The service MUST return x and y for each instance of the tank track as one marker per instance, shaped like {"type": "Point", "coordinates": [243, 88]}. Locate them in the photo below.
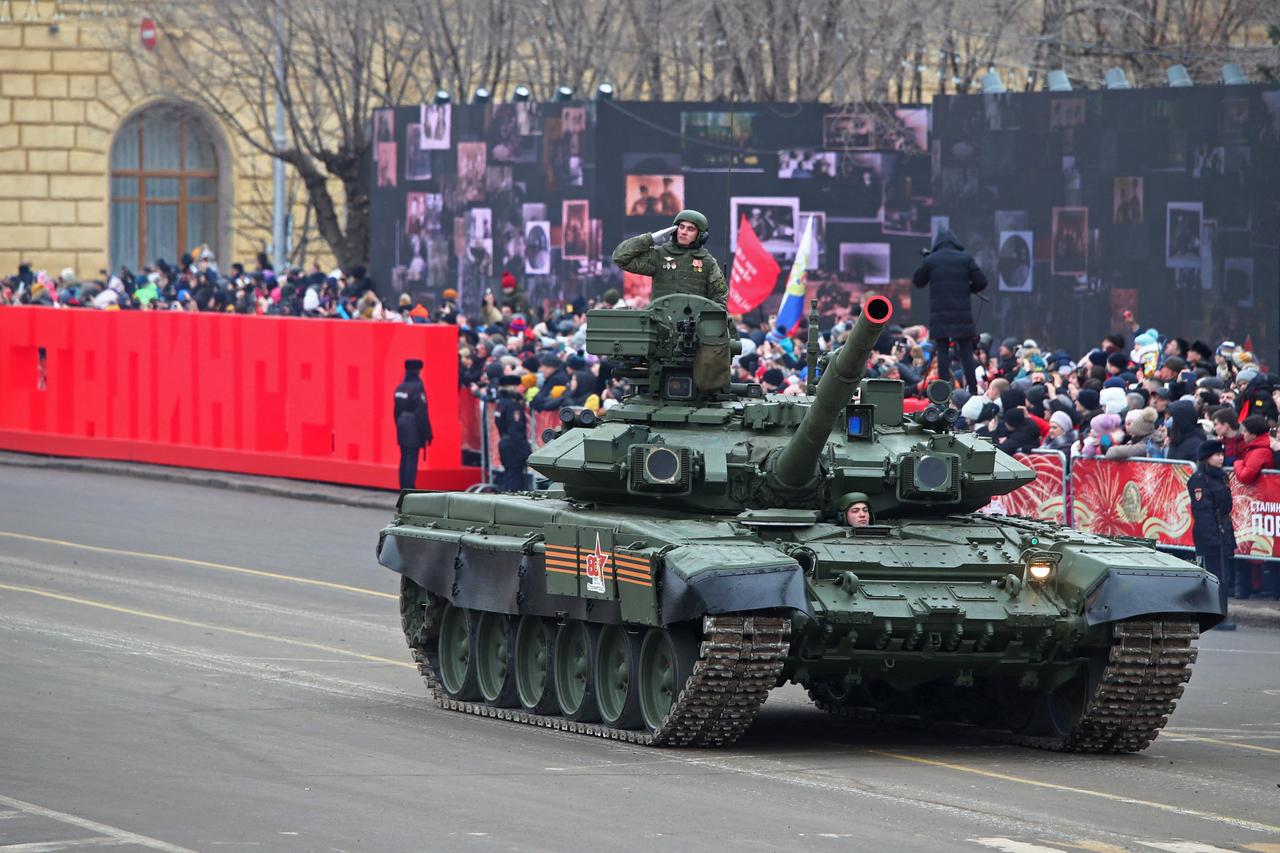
{"type": "Point", "coordinates": [1149, 662]}
{"type": "Point", "coordinates": [739, 661]}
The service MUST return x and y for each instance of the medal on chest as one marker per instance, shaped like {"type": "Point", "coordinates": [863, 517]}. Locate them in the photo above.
{"type": "Point", "coordinates": [669, 263]}
{"type": "Point", "coordinates": [697, 264]}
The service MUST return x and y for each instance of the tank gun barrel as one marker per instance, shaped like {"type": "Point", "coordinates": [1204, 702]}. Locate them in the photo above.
{"type": "Point", "coordinates": [795, 465]}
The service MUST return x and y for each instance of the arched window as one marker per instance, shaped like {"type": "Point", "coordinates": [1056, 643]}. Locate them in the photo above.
{"type": "Point", "coordinates": [164, 187]}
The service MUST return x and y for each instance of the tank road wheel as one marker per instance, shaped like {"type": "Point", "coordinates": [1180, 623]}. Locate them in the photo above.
{"type": "Point", "coordinates": [455, 661]}
{"type": "Point", "coordinates": [535, 644]}
{"type": "Point", "coordinates": [496, 676]}
{"type": "Point", "coordinates": [666, 662]}
{"type": "Point", "coordinates": [576, 643]}
{"type": "Point", "coordinates": [616, 675]}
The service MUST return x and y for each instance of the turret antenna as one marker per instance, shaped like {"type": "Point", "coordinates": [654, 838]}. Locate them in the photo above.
{"type": "Point", "coordinates": [811, 369]}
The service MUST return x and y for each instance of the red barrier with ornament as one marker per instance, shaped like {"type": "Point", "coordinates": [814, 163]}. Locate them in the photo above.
{"type": "Point", "coordinates": [283, 397]}
{"type": "Point", "coordinates": [1044, 498]}
{"type": "Point", "coordinates": [1255, 513]}
{"type": "Point", "coordinates": [1138, 497]}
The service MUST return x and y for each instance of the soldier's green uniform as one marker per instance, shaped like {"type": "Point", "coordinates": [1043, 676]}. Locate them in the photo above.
{"type": "Point", "coordinates": [675, 268]}
{"type": "Point", "coordinates": [684, 269]}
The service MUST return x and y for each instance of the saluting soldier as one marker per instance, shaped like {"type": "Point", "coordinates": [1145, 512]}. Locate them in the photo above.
{"type": "Point", "coordinates": [413, 424]}
{"type": "Point", "coordinates": [683, 266]}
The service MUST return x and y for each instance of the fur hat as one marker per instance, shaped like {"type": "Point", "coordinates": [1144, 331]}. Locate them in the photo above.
{"type": "Point", "coordinates": [1209, 448]}
{"type": "Point", "coordinates": [1140, 423]}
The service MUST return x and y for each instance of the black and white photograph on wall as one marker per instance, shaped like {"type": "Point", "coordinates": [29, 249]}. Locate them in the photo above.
{"type": "Point", "coordinates": [471, 169]}
{"type": "Point", "coordinates": [867, 263]}
{"type": "Point", "coordinates": [909, 131]}
{"type": "Point", "coordinates": [497, 182]}
{"type": "Point", "coordinates": [438, 256]}
{"type": "Point", "coordinates": [384, 127]}
{"type": "Point", "coordinates": [423, 213]}
{"type": "Point", "coordinates": [1208, 161]}
{"type": "Point", "coordinates": [848, 131]}
{"type": "Point", "coordinates": [1065, 113]}
{"type": "Point", "coordinates": [575, 220]}
{"type": "Point", "coordinates": [818, 248]}
{"type": "Point", "coordinates": [1126, 202]}
{"type": "Point", "coordinates": [937, 224]}
{"type": "Point", "coordinates": [533, 210]}
{"type": "Point", "coordinates": [773, 218]}
{"type": "Point", "coordinates": [510, 244]}
{"type": "Point", "coordinates": [1070, 174]}
{"type": "Point", "coordinates": [480, 238]}
{"type": "Point", "coordinates": [716, 141]}
{"type": "Point", "coordinates": [417, 160]}
{"type": "Point", "coordinates": [807, 163]}
{"type": "Point", "coordinates": [862, 189]}
{"type": "Point", "coordinates": [654, 195]}
{"type": "Point", "coordinates": [386, 168]}
{"type": "Point", "coordinates": [906, 209]}
{"type": "Point", "coordinates": [1182, 234]}
{"type": "Point", "coordinates": [537, 247]}
{"type": "Point", "coordinates": [1070, 241]}
{"type": "Point", "coordinates": [562, 150]}
{"type": "Point", "coordinates": [1235, 118]}
{"type": "Point", "coordinates": [508, 141]}
{"type": "Point", "coordinates": [1015, 261]}
{"type": "Point", "coordinates": [1237, 275]}
{"type": "Point", "coordinates": [1208, 253]}
{"type": "Point", "coordinates": [435, 120]}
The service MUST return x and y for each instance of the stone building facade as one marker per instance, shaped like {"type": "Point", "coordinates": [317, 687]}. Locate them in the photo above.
{"type": "Point", "coordinates": [94, 174]}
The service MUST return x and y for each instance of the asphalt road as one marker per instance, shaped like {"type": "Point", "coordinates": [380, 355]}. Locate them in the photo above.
{"type": "Point", "coordinates": [192, 668]}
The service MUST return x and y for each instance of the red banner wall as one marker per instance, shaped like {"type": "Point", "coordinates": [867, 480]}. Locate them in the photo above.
{"type": "Point", "coordinates": [283, 397]}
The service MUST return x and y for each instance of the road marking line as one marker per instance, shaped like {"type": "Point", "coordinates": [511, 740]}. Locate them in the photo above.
{"type": "Point", "coordinates": [52, 846]}
{"type": "Point", "coordinates": [1177, 736]}
{"type": "Point", "coordinates": [121, 835]}
{"type": "Point", "coordinates": [1254, 826]}
{"type": "Point", "coordinates": [1183, 847]}
{"type": "Point", "coordinates": [204, 564]}
{"type": "Point", "coordinates": [1094, 846]}
{"type": "Point", "coordinates": [1009, 845]}
{"type": "Point", "coordinates": [1263, 848]}
{"type": "Point", "coordinates": [191, 623]}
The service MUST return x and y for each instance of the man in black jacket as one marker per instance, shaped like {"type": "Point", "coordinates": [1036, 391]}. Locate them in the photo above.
{"type": "Point", "coordinates": [413, 424]}
{"type": "Point", "coordinates": [1022, 435]}
{"type": "Point", "coordinates": [1212, 531]}
{"type": "Point", "coordinates": [952, 274]}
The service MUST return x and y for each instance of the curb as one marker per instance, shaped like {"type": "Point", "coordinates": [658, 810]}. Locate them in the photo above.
{"type": "Point", "coordinates": [275, 487]}
{"type": "Point", "coordinates": [1254, 615]}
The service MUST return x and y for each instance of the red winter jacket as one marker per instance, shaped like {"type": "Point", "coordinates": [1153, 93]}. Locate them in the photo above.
{"type": "Point", "coordinates": [1041, 424]}
{"type": "Point", "coordinates": [1255, 456]}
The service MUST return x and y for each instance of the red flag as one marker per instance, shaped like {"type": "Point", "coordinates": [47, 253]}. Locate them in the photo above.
{"type": "Point", "coordinates": [754, 274]}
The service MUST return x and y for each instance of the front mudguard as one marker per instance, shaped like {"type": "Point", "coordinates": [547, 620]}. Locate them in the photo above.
{"type": "Point", "coordinates": [1125, 593]}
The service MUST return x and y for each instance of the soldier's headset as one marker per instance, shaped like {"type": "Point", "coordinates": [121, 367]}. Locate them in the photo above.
{"type": "Point", "coordinates": [703, 234]}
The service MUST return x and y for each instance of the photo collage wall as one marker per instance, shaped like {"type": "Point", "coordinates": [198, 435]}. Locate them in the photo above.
{"type": "Point", "coordinates": [1078, 205]}
{"type": "Point", "coordinates": [547, 191]}
{"type": "Point", "coordinates": [1085, 205]}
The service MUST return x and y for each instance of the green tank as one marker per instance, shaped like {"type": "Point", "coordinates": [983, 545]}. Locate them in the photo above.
{"type": "Point", "coordinates": [690, 557]}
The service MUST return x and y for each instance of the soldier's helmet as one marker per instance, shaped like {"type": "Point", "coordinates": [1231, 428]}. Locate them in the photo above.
{"type": "Point", "coordinates": [697, 219]}
{"type": "Point", "coordinates": [848, 499]}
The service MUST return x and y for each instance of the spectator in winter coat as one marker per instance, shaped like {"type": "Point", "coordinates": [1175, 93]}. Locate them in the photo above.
{"type": "Point", "coordinates": [549, 399]}
{"type": "Point", "coordinates": [1227, 430]}
{"type": "Point", "coordinates": [952, 275]}
{"type": "Point", "coordinates": [1185, 434]}
{"type": "Point", "coordinates": [1021, 435]}
{"type": "Point", "coordinates": [1104, 431]}
{"type": "Point", "coordinates": [1138, 427]}
{"type": "Point", "coordinates": [1256, 453]}
{"type": "Point", "coordinates": [1062, 433]}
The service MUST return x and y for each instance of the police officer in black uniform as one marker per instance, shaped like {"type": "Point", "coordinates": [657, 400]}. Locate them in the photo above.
{"type": "Point", "coordinates": [1212, 531]}
{"type": "Point", "coordinates": [512, 421]}
{"type": "Point", "coordinates": [413, 425]}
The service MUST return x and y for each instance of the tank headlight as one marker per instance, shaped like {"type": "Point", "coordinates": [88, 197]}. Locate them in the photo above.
{"type": "Point", "coordinates": [1039, 570]}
